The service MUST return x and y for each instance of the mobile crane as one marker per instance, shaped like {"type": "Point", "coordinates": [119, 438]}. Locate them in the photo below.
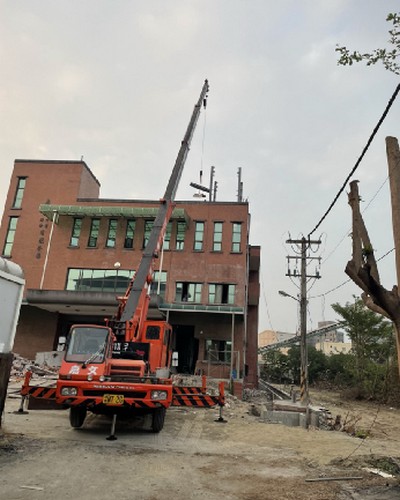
{"type": "Point", "coordinates": [123, 367]}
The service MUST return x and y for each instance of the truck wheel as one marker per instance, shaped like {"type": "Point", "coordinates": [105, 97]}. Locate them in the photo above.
{"type": "Point", "coordinates": [158, 419]}
{"type": "Point", "coordinates": [77, 416]}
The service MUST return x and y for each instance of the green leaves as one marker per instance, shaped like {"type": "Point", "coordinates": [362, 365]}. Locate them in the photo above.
{"type": "Point", "coordinates": [388, 58]}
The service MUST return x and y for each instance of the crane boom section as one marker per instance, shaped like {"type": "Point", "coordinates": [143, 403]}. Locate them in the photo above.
{"type": "Point", "coordinates": [133, 306]}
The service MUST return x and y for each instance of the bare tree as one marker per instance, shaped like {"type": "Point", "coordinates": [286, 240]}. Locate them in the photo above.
{"type": "Point", "coordinates": [362, 268]}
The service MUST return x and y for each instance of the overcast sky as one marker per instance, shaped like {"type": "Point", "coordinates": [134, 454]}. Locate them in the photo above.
{"type": "Point", "coordinates": [115, 81]}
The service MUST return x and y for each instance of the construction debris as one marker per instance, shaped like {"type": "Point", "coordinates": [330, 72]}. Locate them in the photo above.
{"type": "Point", "coordinates": [22, 365]}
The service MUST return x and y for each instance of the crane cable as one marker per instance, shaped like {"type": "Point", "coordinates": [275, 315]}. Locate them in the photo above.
{"type": "Point", "coordinates": [371, 138]}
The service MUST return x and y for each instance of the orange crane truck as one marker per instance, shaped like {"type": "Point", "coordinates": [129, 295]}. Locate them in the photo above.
{"type": "Point", "coordinates": [123, 366]}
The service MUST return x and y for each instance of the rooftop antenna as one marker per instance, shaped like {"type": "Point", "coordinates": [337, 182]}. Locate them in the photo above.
{"type": "Point", "coordinates": [240, 186]}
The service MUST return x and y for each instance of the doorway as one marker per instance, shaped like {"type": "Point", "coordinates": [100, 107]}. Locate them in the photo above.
{"type": "Point", "coordinates": [187, 347]}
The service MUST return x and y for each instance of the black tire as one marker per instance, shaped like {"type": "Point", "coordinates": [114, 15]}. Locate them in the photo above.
{"type": "Point", "coordinates": [77, 416]}
{"type": "Point", "coordinates": [158, 419]}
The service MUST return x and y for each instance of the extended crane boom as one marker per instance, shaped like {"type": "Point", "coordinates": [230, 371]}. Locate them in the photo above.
{"type": "Point", "coordinates": [133, 307]}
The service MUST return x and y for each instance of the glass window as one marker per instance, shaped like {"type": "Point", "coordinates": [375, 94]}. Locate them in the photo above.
{"type": "Point", "coordinates": [221, 293]}
{"type": "Point", "coordinates": [188, 292]}
{"type": "Point", "coordinates": [19, 193]}
{"type": "Point", "coordinates": [198, 236]}
{"type": "Point", "coordinates": [152, 332]}
{"type": "Point", "coordinates": [217, 239]}
{"type": "Point", "coordinates": [167, 237]}
{"type": "Point", "coordinates": [94, 233]}
{"type": "Point", "coordinates": [99, 280]}
{"type": "Point", "coordinates": [236, 237]}
{"type": "Point", "coordinates": [112, 233]}
{"type": "Point", "coordinates": [76, 232]}
{"type": "Point", "coordinates": [86, 344]}
{"type": "Point", "coordinates": [8, 244]}
{"type": "Point", "coordinates": [148, 226]}
{"type": "Point", "coordinates": [180, 235]}
{"type": "Point", "coordinates": [159, 284]}
{"type": "Point", "coordinates": [218, 351]}
{"type": "Point", "coordinates": [130, 233]}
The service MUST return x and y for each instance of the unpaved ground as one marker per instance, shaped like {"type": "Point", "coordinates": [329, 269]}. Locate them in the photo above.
{"type": "Point", "coordinates": [195, 457]}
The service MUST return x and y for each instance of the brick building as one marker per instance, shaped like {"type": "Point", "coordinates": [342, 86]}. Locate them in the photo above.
{"type": "Point", "coordinates": [79, 251]}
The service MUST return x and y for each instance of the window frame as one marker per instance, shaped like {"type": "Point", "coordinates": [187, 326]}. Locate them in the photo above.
{"type": "Point", "coordinates": [93, 233]}
{"type": "Point", "coordinates": [146, 231]}
{"type": "Point", "coordinates": [198, 240]}
{"type": "Point", "coordinates": [217, 236]}
{"type": "Point", "coordinates": [236, 244]}
{"type": "Point", "coordinates": [10, 236]}
{"type": "Point", "coordinates": [19, 192]}
{"type": "Point", "coordinates": [111, 240]}
{"type": "Point", "coordinates": [222, 348]}
{"type": "Point", "coordinates": [76, 232]}
{"type": "Point", "coordinates": [226, 291]}
{"type": "Point", "coordinates": [130, 233]}
{"type": "Point", "coordinates": [189, 292]}
{"type": "Point", "coordinates": [180, 231]}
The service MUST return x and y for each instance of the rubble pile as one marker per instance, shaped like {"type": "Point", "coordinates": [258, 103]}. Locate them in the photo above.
{"type": "Point", "coordinates": [22, 365]}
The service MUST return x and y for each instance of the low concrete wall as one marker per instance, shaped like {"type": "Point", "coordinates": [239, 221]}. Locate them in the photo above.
{"type": "Point", "coordinates": [291, 418]}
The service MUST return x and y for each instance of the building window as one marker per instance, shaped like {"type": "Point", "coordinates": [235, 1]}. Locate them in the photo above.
{"type": "Point", "coordinates": [112, 233]}
{"type": "Point", "coordinates": [8, 244]}
{"type": "Point", "coordinates": [217, 238]}
{"type": "Point", "coordinates": [218, 351]}
{"type": "Point", "coordinates": [188, 292]}
{"type": "Point", "coordinates": [221, 293]}
{"type": "Point", "coordinates": [198, 236]}
{"type": "Point", "coordinates": [159, 283]}
{"type": "Point", "coordinates": [180, 235]}
{"type": "Point", "coordinates": [94, 233]}
{"type": "Point", "coordinates": [76, 232]}
{"type": "Point", "coordinates": [167, 237]}
{"type": "Point", "coordinates": [148, 226]}
{"type": "Point", "coordinates": [236, 237]}
{"type": "Point", "coordinates": [130, 233]}
{"type": "Point", "coordinates": [19, 193]}
{"type": "Point", "coordinates": [98, 280]}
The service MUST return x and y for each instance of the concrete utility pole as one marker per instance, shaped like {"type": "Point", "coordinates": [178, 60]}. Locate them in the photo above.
{"type": "Point", "coordinates": [304, 246]}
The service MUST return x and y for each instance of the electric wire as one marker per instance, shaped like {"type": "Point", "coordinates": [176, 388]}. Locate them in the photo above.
{"type": "Point", "coordinates": [366, 147]}
{"type": "Point", "coordinates": [349, 230]}
{"type": "Point", "coordinates": [266, 302]}
{"type": "Point", "coordinates": [344, 282]}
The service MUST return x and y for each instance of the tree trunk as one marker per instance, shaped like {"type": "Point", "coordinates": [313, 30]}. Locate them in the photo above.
{"type": "Point", "coordinates": [363, 270]}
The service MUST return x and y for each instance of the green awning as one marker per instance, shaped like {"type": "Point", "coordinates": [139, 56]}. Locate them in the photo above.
{"type": "Point", "coordinates": [54, 211]}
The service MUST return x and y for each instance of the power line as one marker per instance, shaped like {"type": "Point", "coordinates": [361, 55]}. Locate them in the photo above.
{"type": "Point", "coordinates": [349, 230]}
{"type": "Point", "coordinates": [371, 138]}
{"type": "Point", "coordinates": [344, 282]}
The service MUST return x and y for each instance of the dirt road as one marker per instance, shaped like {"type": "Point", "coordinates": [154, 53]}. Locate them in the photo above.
{"type": "Point", "coordinates": [194, 457]}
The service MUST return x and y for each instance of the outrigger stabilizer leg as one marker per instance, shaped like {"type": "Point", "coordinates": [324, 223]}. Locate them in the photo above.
{"type": "Point", "coordinates": [21, 410]}
{"type": "Point", "coordinates": [112, 436]}
{"type": "Point", "coordinates": [221, 419]}
{"type": "Point", "coordinates": [221, 403]}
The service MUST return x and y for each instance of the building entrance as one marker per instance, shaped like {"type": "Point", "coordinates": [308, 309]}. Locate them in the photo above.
{"type": "Point", "coordinates": [187, 347]}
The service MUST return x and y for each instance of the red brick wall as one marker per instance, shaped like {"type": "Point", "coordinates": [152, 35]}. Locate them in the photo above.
{"type": "Point", "coordinates": [35, 333]}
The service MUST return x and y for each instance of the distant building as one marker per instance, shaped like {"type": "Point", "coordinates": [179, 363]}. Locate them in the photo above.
{"type": "Point", "coordinates": [271, 337]}
{"type": "Point", "coordinates": [333, 335]}
{"type": "Point", "coordinates": [330, 348]}
{"type": "Point", "coordinates": [79, 252]}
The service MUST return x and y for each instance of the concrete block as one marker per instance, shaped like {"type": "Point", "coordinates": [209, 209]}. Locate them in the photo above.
{"type": "Point", "coordinates": [291, 419]}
